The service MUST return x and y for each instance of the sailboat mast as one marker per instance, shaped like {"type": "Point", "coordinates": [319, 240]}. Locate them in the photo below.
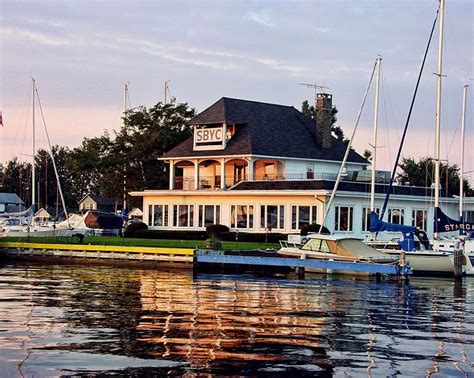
{"type": "Point", "coordinates": [33, 170]}
{"type": "Point", "coordinates": [438, 102]}
{"type": "Point", "coordinates": [374, 140]}
{"type": "Point", "coordinates": [125, 106]}
{"type": "Point", "coordinates": [461, 177]}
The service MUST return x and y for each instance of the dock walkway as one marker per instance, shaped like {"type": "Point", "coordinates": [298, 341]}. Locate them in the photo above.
{"type": "Point", "coordinates": [189, 258]}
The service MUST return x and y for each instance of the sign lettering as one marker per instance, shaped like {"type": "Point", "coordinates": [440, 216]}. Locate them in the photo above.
{"type": "Point", "coordinates": [208, 135]}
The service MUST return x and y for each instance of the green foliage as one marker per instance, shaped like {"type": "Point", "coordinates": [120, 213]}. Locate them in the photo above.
{"type": "Point", "coordinates": [16, 178]}
{"type": "Point", "coordinates": [310, 112]}
{"type": "Point", "coordinates": [132, 228]}
{"type": "Point", "coordinates": [314, 227]}
{"type": "Point", "coordinates": [421, 173]}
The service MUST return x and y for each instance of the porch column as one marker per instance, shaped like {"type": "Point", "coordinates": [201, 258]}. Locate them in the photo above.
{"type": "Point", "coordinates": [171, 174]}
{"type": "Point", "coordinates": [250, 176]}
{"type": "Point", "coordinates": [222, 173]}
{"type": "Point", "coordinates": [196, 175]}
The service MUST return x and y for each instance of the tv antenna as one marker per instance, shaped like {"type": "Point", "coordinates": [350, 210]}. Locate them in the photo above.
{"type": "Point", "coordinates": [316, 87]}
{"type": "Point", "coordinates": [166, 90]}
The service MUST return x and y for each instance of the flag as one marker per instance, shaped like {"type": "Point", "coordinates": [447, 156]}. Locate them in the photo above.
{"type": "Point", "coordinates": [1, 118]}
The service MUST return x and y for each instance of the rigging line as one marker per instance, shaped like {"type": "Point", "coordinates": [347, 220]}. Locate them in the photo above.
{"type": "Point", "coordinates": [54, 162]}
{"type": "Point", "coordinates": [348, 149]}
{"type": "Point", "coordinates": [385, 96]}
{"type": "Point", "coordinates": [390, 188]}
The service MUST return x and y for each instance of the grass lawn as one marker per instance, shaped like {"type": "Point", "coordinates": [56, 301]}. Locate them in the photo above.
{"type": "Point", "coordinates": [113, 240]}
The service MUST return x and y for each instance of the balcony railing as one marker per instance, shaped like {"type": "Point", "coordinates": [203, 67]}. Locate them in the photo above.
{"type": "Point", "coordinates": [214, 182]}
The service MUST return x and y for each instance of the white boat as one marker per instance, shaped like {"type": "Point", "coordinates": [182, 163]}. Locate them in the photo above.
{"type": "Point", "coordinates": [335, 248]}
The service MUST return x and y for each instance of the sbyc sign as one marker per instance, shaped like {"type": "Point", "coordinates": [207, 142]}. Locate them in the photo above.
{"type": "Point", "coordinates": [208, 135]}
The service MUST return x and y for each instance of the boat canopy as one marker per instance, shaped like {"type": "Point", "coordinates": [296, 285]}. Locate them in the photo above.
{"type": "Point", "coordinates": [356, 248]}
{"type": "Point", "coordinates": [103, 220]}
{"type": "Point", "coordinates": [377, 225]}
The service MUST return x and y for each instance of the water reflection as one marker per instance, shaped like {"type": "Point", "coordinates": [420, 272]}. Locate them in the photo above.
{"type": "Point", "coordinates": [84, 320]}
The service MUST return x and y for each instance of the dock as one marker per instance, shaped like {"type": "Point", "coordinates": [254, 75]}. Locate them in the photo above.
{"type": "Point", "coordinates": [194, 259]}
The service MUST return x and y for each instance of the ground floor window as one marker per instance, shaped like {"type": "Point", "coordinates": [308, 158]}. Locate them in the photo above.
{"type": "Point", "coordinates": [241, 216]}
{"type": "Point", "coordinates": [302, 216]}
{"type": "Point", "coordinates": [419, 219]}
{"type": "Point", "coordinates": [183, 215]}
{"type": "Point", "coordinates": [158, 215]}
{"type": "Point", "coordinates": [344, 218]}
{"type": "Point", "coordinates": [366, 217]}
{"type": "Point", "coordinates": [272, 217]}
{"type": "Point", "coordinates": [396, 216]}
{"type": "Point", "coordinates": [209, 214]}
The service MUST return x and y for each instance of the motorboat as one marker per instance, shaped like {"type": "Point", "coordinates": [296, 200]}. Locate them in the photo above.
{"type": "Point", "coordinates": [335, 248]}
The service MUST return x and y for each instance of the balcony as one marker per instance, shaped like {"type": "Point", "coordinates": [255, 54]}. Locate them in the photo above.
{"type": "Point", "coordinates": [214, 182]}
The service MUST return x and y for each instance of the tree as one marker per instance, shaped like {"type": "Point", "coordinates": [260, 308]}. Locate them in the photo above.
{"type": "Point", "coordinates": [146, 135]}
{"type": "Point", "coordinates": [16, 178]}
{"type": "Point", "coordinates": [310, 112]}
{"type": "Point", "coordinates": [421, 173]}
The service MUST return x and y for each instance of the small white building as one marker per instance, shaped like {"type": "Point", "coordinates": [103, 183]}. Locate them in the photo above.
{"type": "Point", "coordinates": [256, 167]}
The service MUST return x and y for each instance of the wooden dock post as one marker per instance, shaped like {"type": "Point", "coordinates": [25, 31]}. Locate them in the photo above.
{"type": "Point", "coordinates": [458, 258]}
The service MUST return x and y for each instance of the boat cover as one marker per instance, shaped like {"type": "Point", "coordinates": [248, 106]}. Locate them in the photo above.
{"type": "Point", "coordinates": [443, 223]}
{"type": "Point", "coordinates": [377, 225]}
{"type": "Point", "coordinates": [103, 220]}
{"type": "Point", "coordinates": [355, 248]}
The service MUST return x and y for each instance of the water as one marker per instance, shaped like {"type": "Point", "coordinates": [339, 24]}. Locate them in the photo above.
{"type": "Point", "coordinates": [60, 320]}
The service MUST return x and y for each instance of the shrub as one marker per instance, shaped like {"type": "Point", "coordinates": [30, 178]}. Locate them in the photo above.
{"type": "Point", "coordinates": [132, 229]}
{"type": "Point", "coordinates": [271, 237]}
{"type": "Point", "coordinates": [215, 230]}
{"type": "Point", "coordinates": [314, 227]}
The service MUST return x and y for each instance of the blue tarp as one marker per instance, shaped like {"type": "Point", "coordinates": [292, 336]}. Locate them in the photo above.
{"type": "Point", "coordinates": [377, 225]}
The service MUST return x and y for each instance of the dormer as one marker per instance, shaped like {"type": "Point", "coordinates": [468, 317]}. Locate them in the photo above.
{"type": "Point", "coordinates": [211, 136]}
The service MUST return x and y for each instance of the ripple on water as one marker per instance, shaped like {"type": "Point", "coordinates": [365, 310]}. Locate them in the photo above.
{"type": "Point", "coordinates": [89, 320]}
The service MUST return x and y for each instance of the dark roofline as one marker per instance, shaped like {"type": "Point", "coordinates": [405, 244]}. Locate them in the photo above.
{"type": "Point", "coordinates": [344, 186]}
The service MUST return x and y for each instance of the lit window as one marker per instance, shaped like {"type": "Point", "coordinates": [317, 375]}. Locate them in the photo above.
{"type": "Point", "coordinates": [241, 216]}
{"type": "Point", "coordinates": [209, 214]}
{"type": "Point", "coordinates": [272, 217]}
{"type": "Point", "coordinates": [183, 215]}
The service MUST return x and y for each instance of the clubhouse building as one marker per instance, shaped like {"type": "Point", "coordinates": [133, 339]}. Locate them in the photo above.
{"type": "Point", "coordinates": [259, 167]}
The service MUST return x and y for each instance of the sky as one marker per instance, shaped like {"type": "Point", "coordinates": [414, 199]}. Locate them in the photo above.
{"type": "Point", "coordinates": [81, 53]}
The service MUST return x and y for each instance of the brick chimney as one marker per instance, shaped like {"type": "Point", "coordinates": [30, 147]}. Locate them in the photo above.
{"type": "Point", "coordinates": [323, 120]}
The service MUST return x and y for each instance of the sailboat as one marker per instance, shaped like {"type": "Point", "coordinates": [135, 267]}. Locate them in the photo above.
{"type": "Point", "coordinates": [422, 260]}
{"type": "Point", "coordinates": [23, 224]}
{"type": "Point", "coordinates": [443, 223]}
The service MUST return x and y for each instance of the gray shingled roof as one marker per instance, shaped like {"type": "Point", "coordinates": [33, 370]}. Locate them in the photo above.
{"type": "Point", "coordinates": [10, 198]}
{"type": "Point", "coordinates": [264, 129]}
{"type": "Point", "coordinates": [344, 186]}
